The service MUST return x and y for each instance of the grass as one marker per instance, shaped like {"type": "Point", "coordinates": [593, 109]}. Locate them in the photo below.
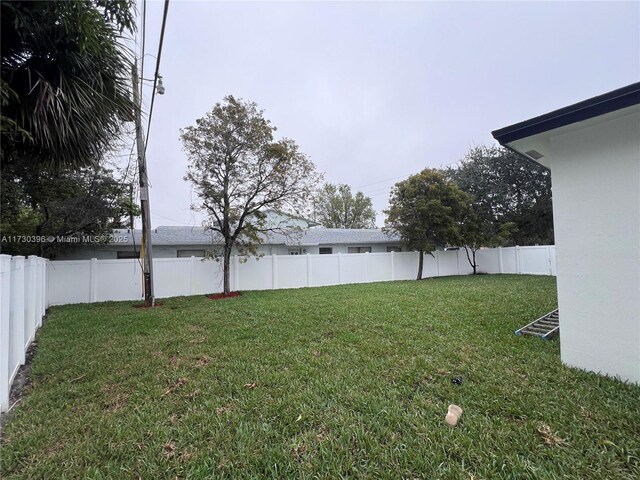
{"type": "Point", "coordinates": [337, 382]}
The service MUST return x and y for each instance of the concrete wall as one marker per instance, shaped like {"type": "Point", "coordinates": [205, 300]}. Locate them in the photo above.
{"type": "Point", "coordinates": [596, 206]}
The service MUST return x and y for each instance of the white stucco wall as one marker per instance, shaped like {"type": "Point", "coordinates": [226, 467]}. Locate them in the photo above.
{"type": "Point", "coordinates": [596, 206]}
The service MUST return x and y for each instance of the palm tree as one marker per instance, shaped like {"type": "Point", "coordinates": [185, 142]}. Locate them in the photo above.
{"type": "Point", "coordinates": [65, 79]}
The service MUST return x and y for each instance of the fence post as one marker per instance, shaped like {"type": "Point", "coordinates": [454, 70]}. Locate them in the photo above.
{"type": "Point", "coordinates": [339, 268]}
{"type": "Point", "coordinates": [192, 272]}
{"type": "Point", "coordinates": [500, 261]}
{"type": "Point", "coordinates": [518, 266]}
{"type": "Point", "coordinates": [17, 308]}
{"type": "Point", "coordinates": [458, 260]}
{"type": "Point", "coordinates": [308, 269]}
{"type": "Point", "coordinates": [393, 265]}
{"type": "Point", "coordinates": [46, 285]}
{"type": "Point", "coordinates": [437, 264]}
{"type": "Point", "coordinates": [236, 277]}
{"type": "Point", "coordinates": [5, 312]}
{"type": "Point", "coordinates": [39, 278]}
{"type": "Point", "coordinates": [549, 260]}
{"type": "Point", "coordinates": [30, 300]}
{"type": "Point", "coordinates": [274, 271]}
{"type": "Point", "coordinates": [43, 280]}
{"type": "Point", "coordinates": [93, 280]}
{"type": "Point", "coordinates": [366, 267]}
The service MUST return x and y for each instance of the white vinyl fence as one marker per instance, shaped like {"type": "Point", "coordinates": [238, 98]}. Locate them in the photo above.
{"type": "Point", "coordinates": [83, 281]}
{"type": "Point", "coordinates": [23, 302]}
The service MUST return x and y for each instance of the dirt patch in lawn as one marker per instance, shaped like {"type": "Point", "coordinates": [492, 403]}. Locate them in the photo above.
{"type": "Point", "coordinates": [144, 307]}
{"type": "Point", "coordinates": [222, 296]}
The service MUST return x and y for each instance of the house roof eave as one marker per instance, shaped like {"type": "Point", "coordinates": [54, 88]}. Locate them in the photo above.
{"type": "Point", "coordinates": [593, 107]}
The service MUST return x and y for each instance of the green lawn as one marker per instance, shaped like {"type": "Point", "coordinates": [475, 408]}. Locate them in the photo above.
{"type": "Point", "coordinates": [337, 382]}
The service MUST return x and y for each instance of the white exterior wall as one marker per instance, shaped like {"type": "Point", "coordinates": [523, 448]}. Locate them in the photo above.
{"type": "Point", "coordinates": [596, 208]}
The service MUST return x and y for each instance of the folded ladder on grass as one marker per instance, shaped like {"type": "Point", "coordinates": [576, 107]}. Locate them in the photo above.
{"type": "Point", "coordinates": [545, 327]}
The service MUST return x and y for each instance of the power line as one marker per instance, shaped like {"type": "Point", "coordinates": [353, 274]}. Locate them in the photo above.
{"type": "Point", "coordinates": [155, 77]}
{"type": "Point", "coordinates": [179, 222]}
{"type": "Point", "coordinates": [385, 180]}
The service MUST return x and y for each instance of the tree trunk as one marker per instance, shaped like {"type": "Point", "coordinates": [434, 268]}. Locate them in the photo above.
{"type": "Point", "coordinates": [420, 263]}
{"type": "Point", "coordinates": [471, 261]}
{"type": "Point", "coordinates": [475, 265]}
{"type": "Point", "coordinates": [226, 270]}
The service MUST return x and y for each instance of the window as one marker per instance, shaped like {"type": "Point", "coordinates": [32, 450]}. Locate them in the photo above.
{"type": "Point", "coordinates": [128, 254]}
{"type": "Point", "coordinates": [326, 250]}
{"type": "Point", "coordinates": [394, 249]}
{"type": "Point", "coordinates": [190, 253]}
{"type": "Point", "coordinates": [294, 251]}
{"type": "Point", "coordinates": [359, 250]}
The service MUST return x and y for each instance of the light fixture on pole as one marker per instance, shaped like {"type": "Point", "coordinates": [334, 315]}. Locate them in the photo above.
{"type": "Point", "coordinates": [160, 86]}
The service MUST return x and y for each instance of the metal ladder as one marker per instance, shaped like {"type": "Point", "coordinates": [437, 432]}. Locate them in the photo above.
{"type": "Point", "coordinates": [545, 327]}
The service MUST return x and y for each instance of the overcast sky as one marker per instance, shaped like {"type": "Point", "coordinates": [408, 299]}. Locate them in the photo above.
{"type": "Point", "coordinates": [375, 91]}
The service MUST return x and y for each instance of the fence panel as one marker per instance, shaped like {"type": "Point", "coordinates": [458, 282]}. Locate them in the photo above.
{"type": "Point", "coordinates": [405, 265]}
{"type": "Point", "coordinates": [16, 317]}
{"type": "Point", "coordinates": [325, 270]}
{"type": "Point", "coordinates": [292, 271]}
{"type": "Point", "coordinates": [354, 268]}
{"type": "Point", "coordinates": [487, 259]}
{"type": "Point", "coordinates": [509, 263]}
{"type": "Point", "coordinates": [119, 280]}
{"type": "Point", "coordinates": [23, 303]}
{"type": "Point", "coordinates": [5, 309]}
{"type": "Point", "coordinates": [70, 282]}
{"type": "Point", "coordinates": [552, 260]}
{"type": "Point", "coordinates": [378, 267]}
{"type": "Point", "coordinates": [31, 319]}
{"type": "Point", "coordinates": [172, 277]}
{"type": "Point", "coordinates": [447, 262]}
{"type": "Point", "coordinates": [207, 276]}
{"type": "Point", "coordinates": [256, 274]}
{"type": "Point", "coordinates": [535, 260]}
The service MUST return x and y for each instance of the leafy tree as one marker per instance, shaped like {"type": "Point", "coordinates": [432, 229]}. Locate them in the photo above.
{"type": "Point", "coordinates": [44, 204]}
{"type": "Point", "coordinates": [238, 171]}
{"type": "Point", "coordinates": [65, 79]}
{"type": "Point", "coordinates": [512, 194]}
{"type": "Point", "coordinates": [427, 211]}
{"type": "Point", "coordinates": [336, 207]}
{"type": "Point", "coordinates": [475, 234]}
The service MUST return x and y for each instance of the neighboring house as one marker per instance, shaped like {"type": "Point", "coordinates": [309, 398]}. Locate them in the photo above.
{"type": "Point", "coordinates": [593, 151]}
{"type": "Point", "coordinates": [172, 242]}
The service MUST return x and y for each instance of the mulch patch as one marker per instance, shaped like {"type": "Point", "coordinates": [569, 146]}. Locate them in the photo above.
{"type": "Point", "coordinates": [222, 296]}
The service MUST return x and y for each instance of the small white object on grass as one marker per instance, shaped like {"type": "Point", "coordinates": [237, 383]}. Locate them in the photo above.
{"type": "Point", "coordinates": [453, 415]}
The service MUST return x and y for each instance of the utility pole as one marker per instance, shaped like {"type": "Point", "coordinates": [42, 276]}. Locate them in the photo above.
{"type": "Point", "coordinates": [147, 265]}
